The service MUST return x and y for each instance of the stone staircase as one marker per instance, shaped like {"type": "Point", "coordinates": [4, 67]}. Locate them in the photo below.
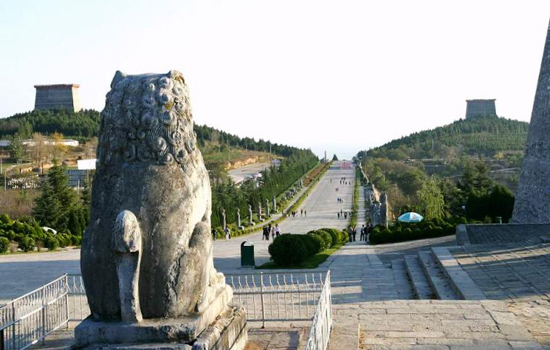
{"type": "Point", "coordinates": [429, 277]}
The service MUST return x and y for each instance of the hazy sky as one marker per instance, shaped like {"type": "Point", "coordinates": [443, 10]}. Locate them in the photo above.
{"type": "Point", "coordinates": [334, 75]}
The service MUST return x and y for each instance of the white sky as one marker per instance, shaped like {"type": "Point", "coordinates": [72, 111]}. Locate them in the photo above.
{"type": "Point", "coordinates": [334, 75]}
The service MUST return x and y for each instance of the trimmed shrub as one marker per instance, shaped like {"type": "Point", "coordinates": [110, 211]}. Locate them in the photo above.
{"type": "Point", "coordinates": [26, 244]}
{"type": "Point", "coordinates": [334, 235]}
{"type": "Point", "coordinates": [309, 243]}
{"type": "Point", "coordinates": [327, 239]}
{"type": "Point", "coordinates": [51, 243]}
{"type": "Point", "coordinates": [401, 232]}
{"type": "Point", "coordinates": [76, 240]}
{"type": "Point", "coordinates": [317, 241]}
{"type": "Point", "coordinates": [4, 245]}
{"type": "Point", "coordinates": [288, 250]}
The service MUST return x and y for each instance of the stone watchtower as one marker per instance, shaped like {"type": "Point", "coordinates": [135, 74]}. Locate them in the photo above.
{"type": "Point", "coordinates": [57, 96]}
{"type": "Point", "coordinates": [480, 108]}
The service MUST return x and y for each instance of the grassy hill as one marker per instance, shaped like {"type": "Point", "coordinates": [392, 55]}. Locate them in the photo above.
{"type": "Point", "coordinates": [485, 136]}
{"type": "Point", "coordinates": [403, 165]}
{"type": "Point", "coordinates": [220, 149]}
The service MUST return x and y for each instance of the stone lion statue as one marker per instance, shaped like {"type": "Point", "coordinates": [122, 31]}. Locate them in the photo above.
{"type": "Point", "coordinates": [148, 250]}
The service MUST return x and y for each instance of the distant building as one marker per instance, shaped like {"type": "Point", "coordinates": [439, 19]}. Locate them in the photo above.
{"type": "Point", "coordinates": [57, 96]}
{"type": "Point", "coordinates": [480, 108]}
{"type": "Point", "coordinates": [30, 143]}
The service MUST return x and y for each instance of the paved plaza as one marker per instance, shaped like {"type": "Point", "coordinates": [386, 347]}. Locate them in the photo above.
{"type": "Point", "coordinates": [22, 273]}
{"type": "Point", "coordinates": [375, 302]}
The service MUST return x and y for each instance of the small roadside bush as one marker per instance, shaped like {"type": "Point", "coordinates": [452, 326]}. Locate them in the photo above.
{"type": "Point", "coordinates": [325, 236]}
{"type": "Point", "coordinates": [26, 244]}
{"type": "Point", "coordinates": [334, 235]}
{"type": "Point", "coordinates": [4, 245]}
{"type": "Point", "coordinates": [291, 250]}
{"type": "Point", "coordinates": [51, 243]}
{"type": "Point", "coordinates": [317, 241]}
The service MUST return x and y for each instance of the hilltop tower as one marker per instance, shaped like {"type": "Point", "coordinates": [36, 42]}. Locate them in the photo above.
{"type": "Point", "coordinates": [480, 108]}
{"type": "Point", "coordinates": [57, 96]}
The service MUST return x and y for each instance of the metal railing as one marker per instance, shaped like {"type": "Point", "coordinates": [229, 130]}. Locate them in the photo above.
{"type": "Point", "coordinates": [266, 297]}
{"type": "Point", "coordinates": [277, 297]}
{"type": "Point", "coordinates": [319, 333]}
{"type": "Point", "coordinates": [28, 319]}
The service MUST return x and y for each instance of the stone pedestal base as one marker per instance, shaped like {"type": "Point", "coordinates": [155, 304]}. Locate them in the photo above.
{"type": "Point", "coordinates": [227, 332]}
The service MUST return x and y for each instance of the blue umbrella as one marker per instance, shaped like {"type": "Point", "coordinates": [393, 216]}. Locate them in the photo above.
{"type": "Point", "coordinates": [410, 217]}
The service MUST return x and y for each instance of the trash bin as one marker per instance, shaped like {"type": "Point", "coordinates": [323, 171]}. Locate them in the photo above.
{"type": "Point", "coordinates": [247, 254]}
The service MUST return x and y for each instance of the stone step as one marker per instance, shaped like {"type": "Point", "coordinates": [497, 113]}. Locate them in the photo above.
{"type": "Point", "coordinates": [403, 284]}
{"type": "Point", "coordinates": [419, 281]}
{"type": "Point", "coordinates": [462, 283]}
{"type": "Point", "coordinates": [344, 336]}
{"type": "Point", "coordinates": [437, 279]}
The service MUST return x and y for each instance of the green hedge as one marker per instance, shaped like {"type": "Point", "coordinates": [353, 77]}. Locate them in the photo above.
{"type": "Point", "coordinates": [4, 245]}
{"type": "Point", "coordinates": [401, 232]}
{"type": "Point", "coordinates": [331, 237]}
{"type": "Point", "coordinates": [290, 250]}
{"type": "Point", "coordinates": [325, 236]}
{"type": "Point", "coordinates": [28, 235]}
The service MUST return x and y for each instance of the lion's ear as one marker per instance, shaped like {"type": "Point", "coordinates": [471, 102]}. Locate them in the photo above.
{"type": "Point", "coordinates": [174, 74]}
{"type": "Point", "coordinates": [118, 77]}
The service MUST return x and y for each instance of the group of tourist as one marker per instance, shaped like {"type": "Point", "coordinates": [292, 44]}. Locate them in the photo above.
{"type": "Point", "coordinates": [343, 181]}
{"type": "Point", "coordinates": [342, 214]}
{"type": "Point", "coordinates": [268, 230]}
{"type": "Point", "coordinates": [340, 199]}
{"type": "Point", "coordinates": [302, 213]}
{"type": "Point", "coordinates": [226, 231]}
{"type": "Point", "coordinates": [352, 233]}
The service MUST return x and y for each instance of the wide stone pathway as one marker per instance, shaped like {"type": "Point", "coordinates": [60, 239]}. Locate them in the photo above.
{"type": "Point", "coordinates": [370, 313]}
{"type": "Point", "coordinates": [321, 207]}
{"type": "Point", "coordinates": [22, 273]}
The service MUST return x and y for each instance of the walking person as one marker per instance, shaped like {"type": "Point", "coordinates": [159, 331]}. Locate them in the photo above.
{"type": "Point", "coordinates": [350, 234]}
{"type": "Point", "coordinates": [363, 237]}
{"type": "Point", "coordinates": [273, 232]}
{"type": "Point", "coordinates": [214, 234]}
{"type": "Point", "coordinates": [367, 231]}
{"type": "Point", "coordinates": [277, 230]}
{"type": "Point", "coordinates": [354, 233]}
{"type": "Point", "coordinates": [227, 233]}
{"type": "Point", "coordinates": [305, 213]}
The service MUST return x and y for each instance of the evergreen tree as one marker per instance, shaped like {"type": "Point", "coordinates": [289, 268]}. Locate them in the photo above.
{"type": "Point", "coordinates": [335, 157]}
{"type": "Point", "coordinates": [16, 149]}
{"type": "Point", "coordinates": [57, 202]}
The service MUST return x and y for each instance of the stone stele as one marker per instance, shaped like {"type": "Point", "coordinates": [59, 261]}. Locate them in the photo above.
{"type": "Point", "coordinates": [532, 204]}
{"type": "Point", "coordinates": [146, 257]}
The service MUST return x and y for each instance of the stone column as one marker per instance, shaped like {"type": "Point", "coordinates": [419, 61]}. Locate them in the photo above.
{"type": "Point", "coordinates": [274, 204]}
{"type": "Point", "coordinates": [532, 204]}
{"type": "Point", "coordinates": [224, 224]}
{"type": "Point", "coordinates": [238, 217]}
{"type": "Point", "coordinates": [267, 207]}
{"type": "Point", "coordinates": [250, 220]}
{"type": "Point", "coordinates": [260, 211]}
